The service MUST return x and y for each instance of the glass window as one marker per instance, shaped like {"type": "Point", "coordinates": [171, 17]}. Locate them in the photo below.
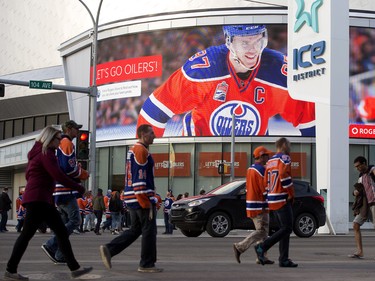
{"type": "Point", "coordinates": [40, 122]}
{"type": "Point", "coordinates": [51, 120]}
{"type": "Point", "coordinates": [181, 168]}
{"type": "Point", "coordinates": [301, 161]}
{"type": "Point", "coordinates": [102, 168]}
{"type": "Point", "coordinates": [207, 158]}
{"type": "Point", "coordinates": [28, 125]}
{"type": "Point", "coordinates": [118, 167]}
{"type": "Point", "coordinates": [242, 159]}
{"type": "Point", "coordinates": [160, 154]}
{"type": "Point", "coordinates": [2, 125]}
{"type": "Point", "coordinates": [8, 129]}
{"type": "Point", "coordinates": [18, 127]}
{"type": "Point", "coordinates": [63, 118]}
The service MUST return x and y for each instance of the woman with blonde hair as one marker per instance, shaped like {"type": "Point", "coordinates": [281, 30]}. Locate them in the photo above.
{"type": "Point", "coordinates": [41, 173]}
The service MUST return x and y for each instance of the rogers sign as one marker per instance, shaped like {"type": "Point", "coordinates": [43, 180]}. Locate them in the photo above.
{"type": "Point", "coordinates": [361, 131]}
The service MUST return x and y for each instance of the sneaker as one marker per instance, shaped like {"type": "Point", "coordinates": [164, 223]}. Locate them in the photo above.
{"type": "Point", "coordinates": [14, 276]}
{"type": "Point", "coordinates": [265, 262]}
{"type": "Point", "coordinates": [288, 263]}
{"type": "Point", "coordinates": [149, 269]}
{"type": "Point", "coordinates": [49, 253]}
{"type": "Point", "coordinates": [80, 271]}
{"type": "Point", "coordinates": [62, 261]}
{"type": "Point", "coordinates": [106, 256]}
{"type": "Point", "coordinates": [260, 253]}
{"type": "Point", "coordinates": [237, 253]}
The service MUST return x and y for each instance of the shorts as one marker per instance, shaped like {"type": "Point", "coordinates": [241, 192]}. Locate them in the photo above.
{"type": "Point", "coordinates": [359, 219]}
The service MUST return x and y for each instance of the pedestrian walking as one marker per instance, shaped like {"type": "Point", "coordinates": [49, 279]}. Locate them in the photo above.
{"type": "Point", "coordinates": [279, 183]}
{"type": "Point", "coordinates": [41, 173]}
{"type": "Point", "coordinates": [360, 212]}
{"type": "Point", "coordinates": [115, 207]}
{"type": "Point", "coordinates": [5, 206]}
{"type": "Point", "coordinates": [140, 199]}
{"type": "Point", "coordinates": [99, 209]}
{"type": "Point", "coordinates": [364, 202]}
{"type": "Point", "coordinates": [256, 203]}
{"type": "Point", "coordinates": [66, 196]}
{"type": "Point", "coordinates": [168, 201]}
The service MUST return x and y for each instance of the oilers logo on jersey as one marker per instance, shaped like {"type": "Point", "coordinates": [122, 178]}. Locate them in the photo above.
{"type": "Point", "coordinates": [246, 117]}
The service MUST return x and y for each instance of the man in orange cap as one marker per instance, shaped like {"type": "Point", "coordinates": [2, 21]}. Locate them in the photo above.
{"type": "Point", "coordinates": [256, 203]}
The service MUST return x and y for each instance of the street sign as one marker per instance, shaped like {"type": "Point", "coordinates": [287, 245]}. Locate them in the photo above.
{"type": "Point", "coordinates": [45, 85]}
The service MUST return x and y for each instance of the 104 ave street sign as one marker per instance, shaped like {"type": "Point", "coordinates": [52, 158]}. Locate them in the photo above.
{"type": "Point", "coordinates": [33, 84]}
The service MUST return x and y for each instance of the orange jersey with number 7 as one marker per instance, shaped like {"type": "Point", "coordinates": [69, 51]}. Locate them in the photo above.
{"type": "Point", "coordinates": [278, 181]}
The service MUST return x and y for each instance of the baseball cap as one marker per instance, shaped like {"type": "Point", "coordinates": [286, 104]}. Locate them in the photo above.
{"type": "Point", "coordinates": [71, 124]}
{"type": "Point", "coordinates": [261, 150]}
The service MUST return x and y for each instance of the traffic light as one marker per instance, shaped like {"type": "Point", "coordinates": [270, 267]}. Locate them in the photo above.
{"type": "Point", "coordinates": [2, 90]}
{"type": "Point", "coordinates": [82, 148]}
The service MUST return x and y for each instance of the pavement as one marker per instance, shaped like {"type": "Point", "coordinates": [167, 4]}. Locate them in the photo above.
{"type": "Point", "coordinates": [321, 257]}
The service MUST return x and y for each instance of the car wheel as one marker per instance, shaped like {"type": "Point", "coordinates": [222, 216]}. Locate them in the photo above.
{"type": "Point", "coordinates": [305, 225]}
{"type": "Point", "coordinates": [218, 225]}
{"type": "Point", "coordinates": [191, 233]}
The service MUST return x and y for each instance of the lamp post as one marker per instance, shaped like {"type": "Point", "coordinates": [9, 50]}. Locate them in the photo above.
{"type": "Point", "coordinates": [93, 97]}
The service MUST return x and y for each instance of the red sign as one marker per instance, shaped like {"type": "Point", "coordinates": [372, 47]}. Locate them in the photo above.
{"type": "Point", "coordinates": [361, 131]}
{"type": "Point", "coordinates": [177, 167]}
{"type": "Point", "coordinates": [128, 69]}
{"type": "Point", "coordinates": [298, 164]}
{"type": "Point", "coordinates": [209, 162]}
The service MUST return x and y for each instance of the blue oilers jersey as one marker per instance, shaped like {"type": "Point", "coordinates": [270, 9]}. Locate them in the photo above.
{"type": "Point", "coordinates": [139, 178]}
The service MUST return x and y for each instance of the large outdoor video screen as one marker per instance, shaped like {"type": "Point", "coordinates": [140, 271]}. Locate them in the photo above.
{"type": "Point", "coordinates": [198, 82]}
{"type": "Point", "coordinates": [362, 83]}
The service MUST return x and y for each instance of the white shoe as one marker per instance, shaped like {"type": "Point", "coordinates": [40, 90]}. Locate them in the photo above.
{"type": "Point", "coordinates": [14, 276]}
{"type": "Point", "coordinates": [106, 256]}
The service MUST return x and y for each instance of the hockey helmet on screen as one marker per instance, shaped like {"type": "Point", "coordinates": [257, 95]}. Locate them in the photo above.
{"type": "Point", "coordinates": [231, 31]}
{"type": "Point", "coordinates": [242, 30]}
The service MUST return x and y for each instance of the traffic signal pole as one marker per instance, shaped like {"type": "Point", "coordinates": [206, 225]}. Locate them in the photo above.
{"type": "Point", "coordinates": [93, 97]}
{"type": "Point", "coordinates": [92, 91]}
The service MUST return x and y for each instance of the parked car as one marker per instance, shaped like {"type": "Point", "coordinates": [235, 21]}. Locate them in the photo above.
{"type": "Point", "coordinates": [223, 209]}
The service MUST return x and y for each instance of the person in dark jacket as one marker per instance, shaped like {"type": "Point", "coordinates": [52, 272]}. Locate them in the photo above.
{"type": "Point", "coordinates": [65, 196]}
{"type": "Point", "coordinates": [99, 209]}
{"type": "Point", "coordinates": [5, 206]}
{"type": "Point", "coordinates": [41, 173]}
{"type": "Point", "coordinates": [115, 207]}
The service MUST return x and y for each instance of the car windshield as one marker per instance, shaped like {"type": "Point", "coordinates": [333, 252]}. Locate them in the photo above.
{"type": "Point", "coordinates": [226, 188]}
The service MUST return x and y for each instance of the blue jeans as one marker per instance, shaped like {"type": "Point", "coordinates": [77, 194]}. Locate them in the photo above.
{"type": "Point", "coordinates": [284, 217]}
{"type": "Point", "coordinates": [116, 220]}
{"type": "Point", "coordinates": [140, 224]}
{"type": "Point", "coordinates": [168, 225]}
{"type": "Point", "coordinates": [70, 215]}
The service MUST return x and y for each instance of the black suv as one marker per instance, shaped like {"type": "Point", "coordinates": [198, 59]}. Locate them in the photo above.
{"type": "Point", "coordinates": [223, 209]}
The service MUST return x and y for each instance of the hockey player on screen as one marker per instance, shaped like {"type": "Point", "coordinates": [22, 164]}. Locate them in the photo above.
{"type": "Point", "coordinates": [241, 77]}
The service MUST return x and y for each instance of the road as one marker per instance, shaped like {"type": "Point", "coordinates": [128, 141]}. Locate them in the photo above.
{"type": "Point", "coordinates": [321, 257]}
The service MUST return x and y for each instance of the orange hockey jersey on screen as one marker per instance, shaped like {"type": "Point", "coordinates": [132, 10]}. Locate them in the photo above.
{"type": "Point", "coordinates": [208, 91]}
{"type": "Point", "coordinates": [278, 181]}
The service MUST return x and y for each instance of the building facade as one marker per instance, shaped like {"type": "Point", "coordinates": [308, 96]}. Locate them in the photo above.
{"type": "Point", "coordinates": [137, 51]}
